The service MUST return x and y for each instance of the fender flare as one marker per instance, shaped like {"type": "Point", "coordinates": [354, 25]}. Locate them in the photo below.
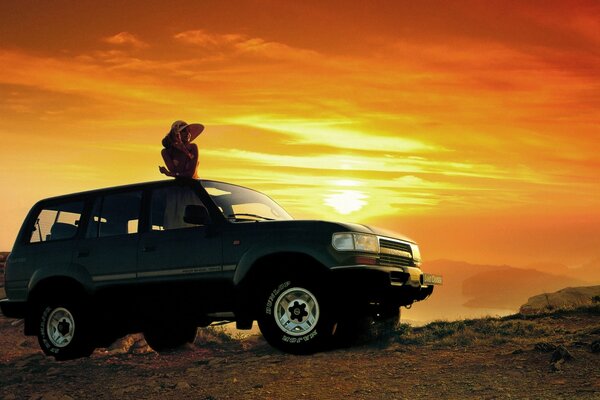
{"type": "Point", "coordinates": [73, 272]}
{"type": "Point", "coordinates": [259, 251]}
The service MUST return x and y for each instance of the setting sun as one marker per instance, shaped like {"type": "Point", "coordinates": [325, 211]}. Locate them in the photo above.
{"type": "Point", "coordinates": [346, 202]}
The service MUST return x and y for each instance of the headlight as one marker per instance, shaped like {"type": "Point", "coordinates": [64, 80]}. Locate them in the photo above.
{"type": "Point", "coordinates": [355, 242]}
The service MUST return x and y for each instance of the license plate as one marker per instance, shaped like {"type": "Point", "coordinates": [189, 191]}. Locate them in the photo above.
{"type": "Point", "coordinates": [429, 279]}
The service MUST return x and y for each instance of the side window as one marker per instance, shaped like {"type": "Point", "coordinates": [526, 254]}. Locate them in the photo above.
{"type": "Point", "coordinates": [168, 207]}
{"type": "Point", "coordinates": [57, 222]}
{"type": "Point", "coordinates": [115, 214]}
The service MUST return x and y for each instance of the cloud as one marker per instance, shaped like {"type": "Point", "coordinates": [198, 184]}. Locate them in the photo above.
{"type": "Point", "coordinates": [126, 39]}
{"type": "Point", "coordinates": [236, 44]}
{"type": "Point", "coordinates": [323, 132]}
{"type": "Point", "coordinates": [204, 39]}
{"type": "Point", "coordinates": [353, 164]}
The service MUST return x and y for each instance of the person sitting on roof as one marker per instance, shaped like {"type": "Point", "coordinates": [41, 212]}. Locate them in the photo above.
{"type": "Point", "coordinates": [179, 153]}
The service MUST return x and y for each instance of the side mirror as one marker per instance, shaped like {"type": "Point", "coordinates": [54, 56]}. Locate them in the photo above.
{"type": "Point", "coordinates": [196, 214]}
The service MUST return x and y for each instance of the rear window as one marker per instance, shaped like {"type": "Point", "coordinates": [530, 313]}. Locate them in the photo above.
{"type": "Point", "coordinates": [57, 222]}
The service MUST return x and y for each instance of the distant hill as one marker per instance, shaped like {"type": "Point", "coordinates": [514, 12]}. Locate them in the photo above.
{"type": "Point", "coordinates": [448, 301]}
{"type": "Point", "coordinates": [510, 287]}
{"type": "Point", "coordinates": [568, 297]}
{"type": "Point", "coordinates": [475, 290]}
{"type": "Point", "coordinates": [590, 271]}
{"type": "Point", "coordinates": [552, 268]}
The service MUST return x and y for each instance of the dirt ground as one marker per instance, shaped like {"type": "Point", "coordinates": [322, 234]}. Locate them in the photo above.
{"type": "Point", "coordinates": [443, 361]}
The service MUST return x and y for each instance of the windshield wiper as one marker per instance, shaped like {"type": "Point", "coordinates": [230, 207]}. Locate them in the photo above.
{"type": "Point", "coordinates": [235, 216]}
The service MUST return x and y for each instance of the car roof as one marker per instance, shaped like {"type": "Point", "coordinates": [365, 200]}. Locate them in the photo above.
{"type": "Point", "coordinates": [132, 186]}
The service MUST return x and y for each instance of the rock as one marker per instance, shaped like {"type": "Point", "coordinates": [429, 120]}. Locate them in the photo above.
{"type": "Point", "coordinates": [568, 297]}
{"type": "Point", "coordinates": [139, 345]}
{"type": "Point", "coordinates": [561, 353]}
{"type": "Point", "coordinates": [545, 347]}
{"type": "Point", "coordinates": [596, 346]}
{"type": "Point", "coordinates": [557, 366]}
{"type": "Point", "coordinates": [132, 344]}
{"type": "Point", "coordinates": [182, 385]}
{"type": "Point", "coordinates": [121, 345]}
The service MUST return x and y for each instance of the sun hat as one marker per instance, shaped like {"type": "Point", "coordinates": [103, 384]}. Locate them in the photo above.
{"type": "Point", "coordinates": [179, 125]}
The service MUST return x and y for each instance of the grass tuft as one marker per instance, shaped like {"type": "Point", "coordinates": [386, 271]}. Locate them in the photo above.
{"type": "Point", "coordinates": [515, 328]}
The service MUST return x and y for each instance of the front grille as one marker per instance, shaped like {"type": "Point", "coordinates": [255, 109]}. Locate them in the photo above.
{"type": "Point", "coordinates": [389, 244]}
{"type": "Point", "coordinates": [395, 259]}
{"type": "Point", "coordinates": [387, 259]}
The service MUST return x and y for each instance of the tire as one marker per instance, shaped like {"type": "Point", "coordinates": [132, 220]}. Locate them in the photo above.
{"type": "Point", "coordinates": [64, 330]}
{"type": "Point", "coordinates": [169, 337]}
{"type": "Point", "coordinates": [295, 316]}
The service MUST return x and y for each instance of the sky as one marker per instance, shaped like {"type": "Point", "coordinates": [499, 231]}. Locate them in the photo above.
{"type": "Point", "coordinates": [472, 127]}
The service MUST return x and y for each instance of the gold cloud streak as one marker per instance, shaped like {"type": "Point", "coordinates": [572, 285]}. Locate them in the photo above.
{"type": "Point", "coordinates": [406, 165]}
{"type": "Point", "coordinates": [326, 133]}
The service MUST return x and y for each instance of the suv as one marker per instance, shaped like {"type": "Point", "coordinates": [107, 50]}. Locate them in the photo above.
{"type": "Point", "coordinates": [167, 257]}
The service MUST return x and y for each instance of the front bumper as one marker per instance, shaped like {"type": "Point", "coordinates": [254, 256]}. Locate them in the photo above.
{"type": "Point", "coordinates": [384, 284]}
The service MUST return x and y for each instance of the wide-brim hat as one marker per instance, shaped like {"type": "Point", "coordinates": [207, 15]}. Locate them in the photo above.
{"type": "Point", "coordinates": [194, 129]}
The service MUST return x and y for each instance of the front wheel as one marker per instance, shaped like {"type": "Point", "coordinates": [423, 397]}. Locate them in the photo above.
{"type": "Point", "coordinates": [295, 316]}
{"type": "Point", "coordinates": [64, 330]}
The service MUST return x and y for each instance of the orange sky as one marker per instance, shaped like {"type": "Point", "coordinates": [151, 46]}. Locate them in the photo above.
{"type": "Point", "coordinates": [472, 127]}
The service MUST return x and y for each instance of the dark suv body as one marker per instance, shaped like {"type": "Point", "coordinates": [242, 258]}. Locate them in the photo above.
{"type": "Point", "coordinates": [166, 257]}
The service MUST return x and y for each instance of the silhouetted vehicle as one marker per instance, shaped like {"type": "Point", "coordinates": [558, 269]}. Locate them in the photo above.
{"type": "Point", "coordinates": [167, 257]}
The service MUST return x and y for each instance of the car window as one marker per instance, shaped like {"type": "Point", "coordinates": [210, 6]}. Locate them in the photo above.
{"type": "Point", "coordinates": [116, 214]}
{"type": "Point", "coordinates": [168, 207]}
{"type": "Point", "coordinates": [240, 204]}
{"type": "Point", "coordinates": [57, 222]}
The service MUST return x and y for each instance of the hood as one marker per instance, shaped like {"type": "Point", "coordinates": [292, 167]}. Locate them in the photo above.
{"type": "Point", "coordinates": [374, 230]}
{"type": "Point", "coordinates": [350, 227]}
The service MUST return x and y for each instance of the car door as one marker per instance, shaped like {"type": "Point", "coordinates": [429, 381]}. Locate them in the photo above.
{"type": "Point", "coordinates": [108, 251]}
{"type": "Point", "coordinates": [180, 264]}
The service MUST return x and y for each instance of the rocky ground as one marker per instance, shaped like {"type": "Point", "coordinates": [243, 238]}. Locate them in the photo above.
{"type": "Point", "coordinates": [552, 356]}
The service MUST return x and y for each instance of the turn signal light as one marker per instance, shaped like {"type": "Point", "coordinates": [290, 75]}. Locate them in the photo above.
{"type": "Point", "coordinates": [365, 260]}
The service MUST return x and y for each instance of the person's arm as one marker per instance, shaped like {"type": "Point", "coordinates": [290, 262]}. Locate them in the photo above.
{"type": "Point", "coordinates": [179, 145]}
{"type": "Point", "coordinates": [170, 165]}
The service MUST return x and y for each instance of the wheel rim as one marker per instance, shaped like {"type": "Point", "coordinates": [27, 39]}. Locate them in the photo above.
{"type": "Point", "coordinates": [296, 311]}
{"type": "Point", "coordinates": [60, 327]}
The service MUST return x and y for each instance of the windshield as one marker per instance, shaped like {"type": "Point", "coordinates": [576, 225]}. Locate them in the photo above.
{"type": "Point", "coordinates": [239, 204]}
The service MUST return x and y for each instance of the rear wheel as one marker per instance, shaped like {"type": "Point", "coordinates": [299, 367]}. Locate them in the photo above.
{"type": "Point", "coordinates": [64, 330]}
{"type": "Point", "coordinates": [295, 316]}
